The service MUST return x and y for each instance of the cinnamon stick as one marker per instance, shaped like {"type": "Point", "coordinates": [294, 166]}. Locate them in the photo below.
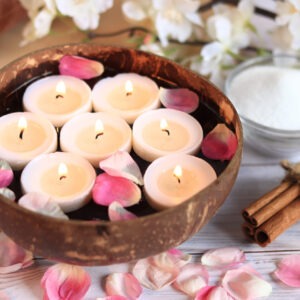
{"type": "Point", "coordinates": [264, 200]}
{"type": "Point", "coordinates": [275, 205]}
{"type": "Point", "coordinates": [248, 229]}
{"type": "Point", "coordinates": [277, 224]}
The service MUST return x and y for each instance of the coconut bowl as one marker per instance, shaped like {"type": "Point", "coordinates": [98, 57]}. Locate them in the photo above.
{"type": "Point", "coordinates": [88, 238]}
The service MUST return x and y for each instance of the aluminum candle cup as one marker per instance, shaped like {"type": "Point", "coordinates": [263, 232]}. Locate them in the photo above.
{"type": "Point", "coordinates": [100, 242]}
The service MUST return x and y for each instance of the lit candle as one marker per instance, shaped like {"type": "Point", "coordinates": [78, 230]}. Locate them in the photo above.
{"type": "Point", "coordinates": [163, 131]}
{"type": "Point", "coordinates": [23, 136]}
{"type": "Point", "coordinates": [175, 178]}
{"type": "Point", "coordinates": [58, 98]}
{"type": "Point", "coordinates": [127, 95]}
{"type": "Point", "coordinates": [65, 177]}
{"type": "Point", "coordinates": [96, 136]}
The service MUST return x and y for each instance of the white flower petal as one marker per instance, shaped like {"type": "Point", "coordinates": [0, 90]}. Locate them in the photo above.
{"type": "Point", "coordinates": [223, 257]}
{"type": "Point", "coordinates": [42, 204]}
{"type": "Point", "coordinates": [134, 10]}
{"type": "Point", "coordinates": [219, 28]}
{"type": "Point", "coordinates": [245, 284]}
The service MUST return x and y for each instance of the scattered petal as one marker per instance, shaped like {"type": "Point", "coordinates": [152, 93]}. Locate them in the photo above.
{"type": "Point", "coordinates": [180, 99]}
{"type": "Point", "coordinates": [116, 212]}
{"type": "Point", "coordinates": [115, 297]}
{"type": "Point", "coordinates": [123, 284]}
{"type": "Point", "coordinates": [80, 67]}
{"type": "Point", "coordinates": [121, 164]}
{"type": "Point", "coordinates": [7, 193]}
{"type": "Point", "coordinates": [213, 293]}
{"type": "Point", "coordinates": [220, 143]}
{"type": "Point", "coordinates": [63, 281]}
{"type": "Point", "coordinates": [181, 258]}
{"type": "Point", "coordinates": [108, 189]}
{"type": "Point", "coordinates": [245, 284]}
{"type": "Point", "coordinates": [288, 270]}
{"type": "Point", "coordinates": [6, 174]}
{"type": "Point", "coordinates": [157, 271]}
{"type": "Point", "coordinates": [12, 256]}
{"type": "Point", "coordinates": [42, 204]}
{"type": "Point", "coordinates": [191, 279]}
{"type": "Point", "coordinates": [223, 257]}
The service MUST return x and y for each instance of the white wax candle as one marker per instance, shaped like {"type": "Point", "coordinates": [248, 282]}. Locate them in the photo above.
{"type": "Point", "coordinates": [65, 177]}
{"type": "Point", "coordinates": [58, 98]}
{"type": "Point", "coordinates": [23, 136]}
{"type": "Point", "coordinates": [175, 178]}
{"type": "Point", "coordinates": [96, 136]}
{"type": "Point", "coordinates": [127, 95]}
{"type": "Point", "coordinates": [163, 131]}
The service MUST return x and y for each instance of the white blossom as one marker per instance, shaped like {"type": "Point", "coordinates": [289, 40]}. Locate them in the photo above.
{"type": "Point", "coordinates": [85, 13]}
{"type": "Point", "coordinates": [229, 32]}
{"type": "Point", "coordinates": [41, 14]}
{"type": "Point", "coordinates": [171, 18]}
{"type": "Point", "coordinates": [288, 16]}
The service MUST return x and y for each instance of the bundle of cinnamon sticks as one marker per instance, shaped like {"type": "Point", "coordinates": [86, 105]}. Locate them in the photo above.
{"type": "Point", "coordinates": [274, 212]}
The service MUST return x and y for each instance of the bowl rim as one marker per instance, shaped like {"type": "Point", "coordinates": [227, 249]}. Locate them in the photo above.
{"type": "Point", "coordinates": [283, 133]}
{"type": "Point", "coordinates": [236, 159]}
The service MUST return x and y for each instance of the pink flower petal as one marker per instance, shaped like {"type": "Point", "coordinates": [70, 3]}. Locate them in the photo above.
{"type": "Point", "coordinates": [63, 281]}
{"type": "Point", "coordinates": [108, 189]}
{"type": "Point", "coordinates": [220, 143]}
{"type": "Point", "coordinates": [180, 257]}
{"type": "Point", "coordinates": [42, 204]}
{"type": "Point", "coordinates": [213, 293]}
{"type": "Point", "coordinates": [288, 270]}
{"type": "Point", "coordinates": [123, 284]}
{"type": "Point", "coordinates": [180, 99]}
{"type": "Point", "coordinates": [245, 284]}
{"type": "Point", "coordinates": [8, 194]}
{"type": "Point", "coordinates": [121, 164]}
{"type": "Point", "coordinates": [12, 256]}
{"type": "Point", "coordinates": [223, 257]}
{"type": "Point", "coordinates": [116, 212]}
{"type": "Point", "coordinates": [191, 279]}
{"type": "Point", "coordinates": [80, 67]}
{"type": "Point", "coordinates": [157, 271]}
{"type": "Point", "coordinates": [6, 174]}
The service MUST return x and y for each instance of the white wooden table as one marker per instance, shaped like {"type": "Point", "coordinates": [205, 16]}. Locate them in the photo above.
{"type": "Point", "coordinates": [258, 174]}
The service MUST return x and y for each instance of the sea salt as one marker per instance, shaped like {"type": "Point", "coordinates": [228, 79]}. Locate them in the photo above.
{"type": "Point", "coordinates": [268, 95]}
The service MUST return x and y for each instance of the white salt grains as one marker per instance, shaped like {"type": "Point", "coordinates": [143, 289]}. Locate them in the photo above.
{"type": "Point", "coordinates": [268, 95]}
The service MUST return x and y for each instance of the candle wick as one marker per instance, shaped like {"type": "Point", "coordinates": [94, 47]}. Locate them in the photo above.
{"type": "Point", "coordinates": [62, 177]}
{"type": "Point", "coordinates": [98, 134]}
{"type": "Point", "coordinates": [59, 96]}
{"type": "Point", "coordinates": [178, 178]}
{"type": "Point", "coordinates": [128, 94]}
{"type": "Point", "coordinates": [21, 134]}
{"type": "Point", "coordinates": [167, 131]}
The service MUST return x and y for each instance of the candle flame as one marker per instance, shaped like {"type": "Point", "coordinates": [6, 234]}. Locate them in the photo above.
{"type": "Point", "coordinates": [128, 88]}
{"type": "Point", "coordinates": [164, 126]}
{"type": "Point", "coordinates": [22, 125]}
{"type": "Point", "coordinates": [178, 173]}
{"type": "Point", "coordinates": [99, 128]}
{"type": "Point", "coordinates": [60, 89]}
{"type": "Point", "coordinates": [62, 171]}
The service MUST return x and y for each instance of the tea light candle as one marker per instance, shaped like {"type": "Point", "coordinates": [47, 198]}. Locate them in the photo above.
{"type": "Point", "coordinates": [163, 131]}
{"type": "Point", "coordinates": [96, 136]}
{"type": "Point", "coordinates": [175, 178]}
{"type": "Point", "coordinates": [65, 177]}
{"type": "Point", "coordinates": [23, 136]}
{"type": "Point", "coordinates": [127, 95]}
{"type": "Point", "coordinates": [58, 98]}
